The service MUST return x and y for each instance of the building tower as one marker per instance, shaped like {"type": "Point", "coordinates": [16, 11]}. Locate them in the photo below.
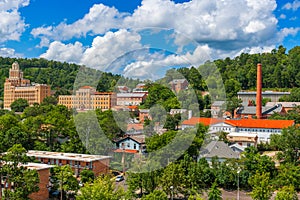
{"type": "Point", "coordinates": [259, 92]}
{"type": "Point", "coordinates": [16, 87]}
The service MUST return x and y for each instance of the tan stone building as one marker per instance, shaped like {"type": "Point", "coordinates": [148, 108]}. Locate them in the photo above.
{"type": "Point", "coordinates": [16, 87]}
{"type": "Point", "coordinates": [86, 98]}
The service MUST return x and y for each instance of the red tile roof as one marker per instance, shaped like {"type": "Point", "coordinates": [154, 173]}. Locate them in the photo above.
{"type": "Point", "coordinates": [205, 121]}
{"type": "Point", "coordinates": [126, 151]}
{"type": "Point", "coordinates": [247, 123]}
{"type": "Point", "coordinates": [133, 107]}
{"type": "Point", "coordinates": [260, 123]}
{"type": "Point", "coordinates": [135, 127]}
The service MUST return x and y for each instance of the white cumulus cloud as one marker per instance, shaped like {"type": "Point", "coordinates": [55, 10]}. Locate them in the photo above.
{"type": "Point", "coordinates": [11, 23]}
{"type": "Point", "coordinates": [8, 52]}
{"type": "Point", "coordinates": [64, 52]}
{"type": "Point", "coordinates": [99, 20]}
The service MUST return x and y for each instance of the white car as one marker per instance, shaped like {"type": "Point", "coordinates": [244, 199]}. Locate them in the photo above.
{"type": "Point", "coordinates": [119, 178]}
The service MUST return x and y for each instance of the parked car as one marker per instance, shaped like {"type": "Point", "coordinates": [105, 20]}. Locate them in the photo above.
{"type": "Point", "coordinates": [119, 178]}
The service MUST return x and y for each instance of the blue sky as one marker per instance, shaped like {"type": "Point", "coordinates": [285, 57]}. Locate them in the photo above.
{"type": "Point", "coordinates": [97, 33]}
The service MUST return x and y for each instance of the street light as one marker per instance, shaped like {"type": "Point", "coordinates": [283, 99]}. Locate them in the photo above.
{"type": "Point", "coordinates": [238, 183]}
{"type": "Point", "coordinates": [172, 188]}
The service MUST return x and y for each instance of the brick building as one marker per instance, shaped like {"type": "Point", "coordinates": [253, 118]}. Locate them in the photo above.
{"type": "Point", "coordinates": [131, 99]}
{"type": "Point", "coordinates": [179, 84]}
{"type": "Point", "coordinates": [86, 98]}
{"type": "Point", "coordinates": [97, 163]}
{"type": "Point", "coordinates": [16, 87]}
{"type": "Point", "coordinates": [44, 174]}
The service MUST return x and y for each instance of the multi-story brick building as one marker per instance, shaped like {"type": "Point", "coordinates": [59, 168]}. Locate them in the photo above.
{"type": "Point", "coordinates": [44, 174]}
{"type": "Point", "coordinates": [129, 99]}
{"type": "Point", "coordinates": [16, 87]}
{"type": "Point", "coordinates": [97, 163]}
{"type": "Point", "coordinates": [86, 98]}
{"type": "Point", "coordinates": [179, 84]}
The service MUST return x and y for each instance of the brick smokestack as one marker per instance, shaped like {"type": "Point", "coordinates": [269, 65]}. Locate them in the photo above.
{"type": "Point", "coordinates": [258, 92]}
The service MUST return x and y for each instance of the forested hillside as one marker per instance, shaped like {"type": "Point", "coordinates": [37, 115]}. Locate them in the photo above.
{"type": "Point", "coordinates": [281, 70]}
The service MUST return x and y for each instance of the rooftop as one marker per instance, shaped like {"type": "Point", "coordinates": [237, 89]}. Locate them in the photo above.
{"type": "Point", "coordinates": [260, 123]}
{"type": "Point", "coordinates": [37, 166]}
{"type": "Point", "coordinates": [66, 156]}
{"type": "Point", "coordinates": [284, 104]}
{"type": "Point", "coordinates": [219, 149]}
{"type": "Point", "coordinates": [205, 121]}
{"type": "Point", "coordinates": [247, 123]}
{"type": "Point", "coordinates": [127, 95]}
{"type": "Point", "coordinates": [264, 93]}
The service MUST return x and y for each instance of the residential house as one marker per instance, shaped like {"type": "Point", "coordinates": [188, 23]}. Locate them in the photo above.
{"type": "Point", "coordinates": [216, 108]}
{"type": "Point", "coordinates": [217, 149]}
{"type": "Point", "coordinates": [178, 85]}
{"type": "Point", "coordinates": [243, 139]}
{"type": "Point", "coordinates": [131, 144]}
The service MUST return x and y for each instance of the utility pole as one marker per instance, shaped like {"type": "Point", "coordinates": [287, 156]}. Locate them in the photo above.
{"type": "Point", "coordinates": [238, 183]}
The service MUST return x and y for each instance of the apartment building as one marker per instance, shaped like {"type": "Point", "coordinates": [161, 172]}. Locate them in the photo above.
{"type": "Point", "coordinates": [16, 87]}
{"type": "Point", "coordinates": [131, 99]}
{"type": "Point", "coordinates": [87, 98]}
{"type": "Point", "coordinates": [97, 163]}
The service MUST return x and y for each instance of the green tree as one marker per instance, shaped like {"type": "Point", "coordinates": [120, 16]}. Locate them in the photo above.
{"type": "Point", "coordinates": [214, 192]}
{"type": "Point", "coordinates": [288, 174]}
{"type": "Point", "coordinates": [25, 181]}
{"type": "Point", "coordinates": [286, 193]}
{"type": "Point", "coordinates": [64, 180]}
{"type": "Point", "coordinates": [50, 100]}
{"type": "Point", "coordinates": [19, 105]}
{"type": "Point", "coordinates": [172, 179]}
{"type": "Point", "coordinates": [87, 175]}
{"type": "Point", "coordinates": [261, 186]}
{"type": "Point", "coordinates": [289, 144]}
{"type": "Point", "coordinates": [102, 188]}
{"type": "Point", "coordinates": [156, 195]}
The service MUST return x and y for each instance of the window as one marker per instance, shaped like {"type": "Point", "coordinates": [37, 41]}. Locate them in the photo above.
{"type": "Point", "coordinates": [134, 146]}
{"type": "Point", "coordinates": [128, 144]}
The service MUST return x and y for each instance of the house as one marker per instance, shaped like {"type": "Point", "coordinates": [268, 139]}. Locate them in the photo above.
{"type": "Point", "coordinates": [123, 89]}
{"type": "Point", "coordinates": [135, 129]}
{"type": "Point", "coordinates": [243, 139]}
{"type": "Point", "coordinates": [217, 149]}
{"type": "Point", "coordinates": [144, 114]}
{"type": "Point", "coordinates": [237, 148]}
{"type": "Point", "coordinates": [216, 108]}
{"type": "Point", "coordinates": [96, 163]}
{"type": "Point", "coordinates": [131, 144]}
{"type": "Point", "coordinates": [178, 85]}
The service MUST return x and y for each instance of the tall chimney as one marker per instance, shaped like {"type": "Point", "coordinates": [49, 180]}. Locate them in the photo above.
{"type": "Point", "coordinates": [258, 91]}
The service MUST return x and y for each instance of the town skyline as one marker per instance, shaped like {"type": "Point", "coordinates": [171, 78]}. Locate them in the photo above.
{"type": "Point", "coordinates": [101, 33]}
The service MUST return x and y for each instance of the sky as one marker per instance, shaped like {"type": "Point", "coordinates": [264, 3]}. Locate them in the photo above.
{"type": "Point", "coordinates": [142, 37]}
